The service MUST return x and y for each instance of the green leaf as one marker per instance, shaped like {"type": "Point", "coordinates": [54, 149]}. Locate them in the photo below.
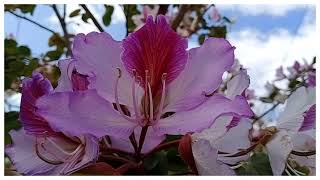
{"type": "Point", "coordinates": [201, 38]}
{"type": "Point", "coordinates": [157, 164]}
{"type": "Point", "coordinates": [107, 15]}
{"type": "Point", "coordinates": [85, 17]}
{"type": "Point", "coordinates": [55, 54]}
{"type": "Point", "coordinates": [129, 11]}
{"type": "Point", "coordinates": [258, 164]}
{"type": "Point", "coordinates": [75, 13]}
{"type": "Point", "coordinates": [219, 32]}
{"type": "Point", "coordinates": [26, 8]}
{"type": "Point", "coordinates": [11, 122]}
{"type": "Point", "coordinates": [24, 51]}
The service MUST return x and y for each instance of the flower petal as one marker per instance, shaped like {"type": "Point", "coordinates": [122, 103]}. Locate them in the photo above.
{"type": "Point", "coordinates": [83, 112]}
{"type": "Point", "coordinates": [151, 141]}
{"type": "Point", "coordinates": [157, 48]}
{"type": "Point", "coordinates": [309, 120]}
{"type": "Point", "coordinates": [32, 89]}
{"type": "Point", "coordinates": [206, 160]}
{"type": "Point", "coordinates": [238, 84]}
{"type": "Point", "coordinates": [298, 103]}
{"type": "Point", "coordinates": [236, 138]}
{"type": "Point", "coordinates": [64, 83]}
{"type": "Point", "coordinates": [204, 115]}
{"type": "Point", "coordinates": [279, 148]}
{"type": "Point", "coordinates": [303, 142]}
{"type": "Point", "coordinates": [202, 74]}
{"type": "Point", "coordinates": [24, 158]}
{"type": "Point", "coordinates": [98, 56]}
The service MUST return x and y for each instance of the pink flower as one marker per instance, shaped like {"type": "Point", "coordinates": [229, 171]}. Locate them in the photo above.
{"type": "Point", "coordinates": [38, 149]}
{"type": "Point", "coordinates": [161, 84]}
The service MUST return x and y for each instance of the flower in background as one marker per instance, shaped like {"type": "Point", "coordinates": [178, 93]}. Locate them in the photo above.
{"type": "Point", "coordinates": [279, 74]}
{"type": "Point", "coordinates": [228, 134]}
{"type": "Point", "coordinates": [38, 149]}
{"type": "Point", "coordinates": [295, 129]}
{"type": "Point", "coordinates": [161, 85]}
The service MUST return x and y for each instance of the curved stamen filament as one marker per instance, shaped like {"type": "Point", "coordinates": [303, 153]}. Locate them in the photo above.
{"type": "Point", "coordinates": [150, 104]}
{"type": "Point", "coordinates": [61, 149]}
{"type": "Point", "coordinates": [117, 98]}
{"type": "Point", "coordinates": [146, 92]}
{"type": "Point", "coordinates": [135, 104]}
{"type": "Point", "coordinates": [54, 162]}
{"type": "Point", "coordinates": [163, 93]}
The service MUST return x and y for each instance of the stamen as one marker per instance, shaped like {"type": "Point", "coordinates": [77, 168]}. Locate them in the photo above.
{"type": "Point", "coordinates": [43, 158]}
{"type": "Point", "coordinates": [117, 98]}
{"type": "Point", "coordinates": [61, 149]}
{"type": "Point", "coordinates": [150, 104]}
{"type": "Point", "coordinates": [146, 94]}
{"type": "Point", "coordinates": [135, 104]}
{"type": "Point", "coordinates": [163, 95]}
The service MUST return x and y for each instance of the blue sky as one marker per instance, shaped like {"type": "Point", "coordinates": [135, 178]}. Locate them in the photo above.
{"type": "Point", "coordinates": [265, 36]}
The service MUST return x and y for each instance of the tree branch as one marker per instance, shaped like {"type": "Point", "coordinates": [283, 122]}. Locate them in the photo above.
{"type": "Point", "coordinates": [32, 21]}
{"type": "Point", "coordinates": [182, 10]}
{"type": "Point", "coordinates": [94, 20]}
{"type": "Point", "coordinates": [64, 29]}
{"type": "Point", "coordinates": [163, 9]}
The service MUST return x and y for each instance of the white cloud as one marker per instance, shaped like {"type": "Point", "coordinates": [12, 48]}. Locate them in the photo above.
{"type": "Point", "coordinates": [263, 53]}
{"type": "Point", "coordinates": [259, 9]}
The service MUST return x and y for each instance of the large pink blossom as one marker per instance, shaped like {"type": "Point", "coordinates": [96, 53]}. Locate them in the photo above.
{"type": "Point", "coordinates": [161, 85]}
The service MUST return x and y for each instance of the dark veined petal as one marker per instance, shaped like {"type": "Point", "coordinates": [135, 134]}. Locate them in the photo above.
{"type": "Point", "coordinates": [32, 89]}
{"type": "Point", "coordinates": [157, 48]}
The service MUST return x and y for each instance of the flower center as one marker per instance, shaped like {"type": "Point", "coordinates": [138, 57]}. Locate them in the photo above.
{"type": "Point", "coordinates": [148, 104]}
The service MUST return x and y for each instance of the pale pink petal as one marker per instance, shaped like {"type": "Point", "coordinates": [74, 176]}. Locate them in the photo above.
{"type": "Point", "coordinates": [204, 115]}
{"type": "Point", "coordinates": [98, 56]}
{"type": "Point", "coordinates": [23, 155]}
{"type": "Point", "coordinates": [206, 160]}
{"type": "Point", "coordinates": [303, 142]}
{"type": "Point", "coordinates": [291, 119]}
{"type": "Point", "coordinates": [238, 84]}
{"type": "Point", "coordinates": [83, 112]}
{"type": "Point", "coordinates": [64, 83]}
{"type": "Point", "coordinates": [202, 74]}
{"type": "Point", "coordinates": [278, 149]}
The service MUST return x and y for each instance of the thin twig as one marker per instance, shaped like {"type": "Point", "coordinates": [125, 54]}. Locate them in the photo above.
{"type": "Point", "coordinates": [64, 29]}
{"type": "Point", "coordinates": [94, 20]}
{"type": "Point", "coordinates": [142, 138]}
{"type": "Point", "coordinates": [163, 9]}
{"type": "Point", "coordinates": [176, 22]}
{"type": "Point", "coordinates": [32, 21]}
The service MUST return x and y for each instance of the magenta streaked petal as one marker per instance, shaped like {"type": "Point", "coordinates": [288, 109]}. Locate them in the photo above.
{"type": "Point", "coordinates": [279, 73]}
{"type": "Point", "coordinates": [83, 112]}
{"type": "Point", "coordinates": [311, 79]}
{"type": "Point", "coordinates": [157, 48]}
{"type": "Point", "coordinates": [32, 89]}
{"type": "Point", "coordinates": [309, 120]}
{"type": "Point", "coordinates": [79, 81]}
{"type": "Point", "coordinates": [204, 115]}
{"type": "Point", "coordinates": [151, 141]}
{"type": "Point", "coordinates": [97, 55]}
{"type": "Point", "coordinates": [202, 74]}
